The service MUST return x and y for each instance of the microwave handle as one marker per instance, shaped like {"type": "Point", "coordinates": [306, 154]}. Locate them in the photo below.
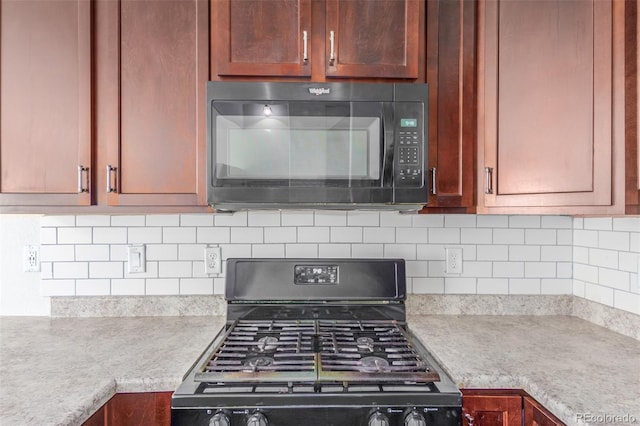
{"type": "Point", "coordinates": [388, 146]}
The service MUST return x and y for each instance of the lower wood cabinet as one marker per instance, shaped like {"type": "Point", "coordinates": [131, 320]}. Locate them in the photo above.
{"type": "Point", "coordinates": [491, 407]}
{"type": "Point", "coordinates": [134, 409]}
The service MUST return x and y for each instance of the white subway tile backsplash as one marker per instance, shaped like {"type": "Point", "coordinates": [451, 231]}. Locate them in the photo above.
{"type": "Point", "coordinates": [460, 221]}
{"type": "Point", "coordinates": [92, 252]}
{"type": "Point", "coordinates": [263, 218]}
{"type": "Point", "coordinates": [540, 236]}
{"type": "Point", "coordinates": [128, 220]}
{"type": "Point", "coordinates": [626, 301]}
{"type": "Point", "coordinates": [476, 236]}
{"type": "Point", "coordinates": [301, 250]}
{"type": "Point", "coordinates": [106, 270]}
{"type": "Point", "coordinates": [268, 250]}
{"type": "Point", "coordinates": [213, 235]}
{"type": "Point", "coordinates": [310, 234]}
{"type": "Point", "coordinates": [57, 253]}
{"type": "Point", "coordinates": [591, 257]}
{"type": "Point", "coordinates": [93, 287]}
{"type": "Point", "coordinates": [493, 286]}
{"type": "Point", "coordinates": [148, 235]}
{"type": "Point", "coordinates": [598, 223]}
{"type": "Point", "coordinates": [74, 236]}
{"type": "Point", "coordinates": [412, 235]}
{"type": "Point", "coordinates": [340, 234]}
{"type": "Point", "coordinates": [162, 286]}
{"type": "Point", "coordinates": [524, 221]}
{"type": "Point", "coordinates": [127, 287]}
{"type": "Point", "coordinates": [196, 220]}
{"type": "Point", "coordinates": [196, 286]}
{"type": "Point", "coordinates": [367, 250]}
{"type": "Point", "coordinates": [492, 221]}
{"type": "Point", "coordinates": [524, 286]}
{"type": "Point", "coordinates": [460, 285]}
{"type": "Point", "coordinates": [280, 235]}
{"type": "Point", "coordinates": [329, 218]}
{"type": "Point", "coordinates": [613, 240]}
{"type": "Point", "coordinates": [603, 258]}
{"type": "Point", "coordinates": [247, 235]}
{"type": "Point", "coordinates": [396, 220]}
{"type": "Point", "coordinates": [48, 236]}
{"type": "Point", "coordinates": [379, 235]}
{"type": "Point", "coordinates": [189, 252]}
{"type": "Point", "coordinates": [70, 270]}
{"type": "Point", "coordinates": [230, 219]}
{"type": "Point", "coordinates": [93, 220]}
{"type": "Point", "coordinates": [428, 221]}
{"type": "Point", "coordinates": [162, 252]}
{"type": "Point", "coordinates": [184, 235]}
{"type": "Point", "coordinates": [57, 221]}
{"type": "Point", "coordinates": [163, 220]}
{"type": "Point", "coordinates": [296, 218]}
{"type": "Point", "coordinates": [357, 218]}
{"type": "Point", "coordinates": [526, 253]}
{"type": "Point", "coordinates": [444, 235]}
{"type": "Point", "coordinates": [175, 269]}
{"type": "Point", "coordinates": [334, 250]}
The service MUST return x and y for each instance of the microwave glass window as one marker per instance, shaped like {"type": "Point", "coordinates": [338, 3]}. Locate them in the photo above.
{"type": "Point", "coordinates": [298, 147]}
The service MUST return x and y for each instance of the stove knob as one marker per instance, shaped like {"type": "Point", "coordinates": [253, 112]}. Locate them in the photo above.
{"type": "Point", "coordinates": [257, 419]}
{"type": "Point", "coordinates": [414, 418]}
{"type": "Point", "coordinates": [378, 419]}
{"type": "Point", "coordinates": [220, 419]}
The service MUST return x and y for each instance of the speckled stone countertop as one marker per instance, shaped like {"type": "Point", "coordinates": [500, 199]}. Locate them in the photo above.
{"type": "Point", "coordinates": [60, 371]}
{"type": "Point", "coordinates": [576, 369]}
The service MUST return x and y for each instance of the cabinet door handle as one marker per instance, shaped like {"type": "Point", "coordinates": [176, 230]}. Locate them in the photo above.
{"type": "Point", "coordinates": [470, 419]}
{"type": "Point", "coordinates": [305, 53]}
{"type": "Point", "coordinates": [110, 169]}
{"type": "Point", "coordinates": [433, 181]}
{"type": "Point", "coordinates": [81, 171]}
{"type": "Point", "coordinates": [488, 180]}
{"type": "Point", "coordinates": [332, 52]}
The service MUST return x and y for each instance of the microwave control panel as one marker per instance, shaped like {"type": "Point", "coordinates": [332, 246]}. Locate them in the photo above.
{"type": "Point", "coordinates": [409, 146]}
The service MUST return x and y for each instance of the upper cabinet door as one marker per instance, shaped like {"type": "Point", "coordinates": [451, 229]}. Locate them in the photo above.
{"type": "Point", "coordinates": [266, 38]}
{"type": "Point", "coordinates": [45, 102]}
{"type": "Point", "coordinates": [550, 104]}
{"type": "Point", "coordinates": [373, 39]}
{"type": "Point", "coordinates": [152, 71]}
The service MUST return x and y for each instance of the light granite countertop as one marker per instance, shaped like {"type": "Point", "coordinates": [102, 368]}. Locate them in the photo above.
{"type": "Point", "coordinates": [60, 371]}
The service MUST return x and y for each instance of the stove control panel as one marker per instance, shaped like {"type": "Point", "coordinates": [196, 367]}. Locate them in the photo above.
{"type": "Point", "coordinates": [315, 274]}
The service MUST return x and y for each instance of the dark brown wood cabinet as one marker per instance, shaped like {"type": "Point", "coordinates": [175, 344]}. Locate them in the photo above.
{"type": "Point", "coordinates": [493, 410]}
{"type": "Point", "coordinates": [506, 407]}
{"type": "Point", "coordinates": [451, 47]}
{"type": "Point", "coordinates": [134, 409]}
{"type": "Point", "coordinates": [45, 102]}
{"type": "Point", "coordinates": [550, 106]}
{"type": "Point", "coordinates": [317, 40]}
{"type": "Point", "coordinates": [536, 415]}
{"type": "Point", "coordinates": [151, 74]}
{"type": "Point", "coordinates": [632, 110]}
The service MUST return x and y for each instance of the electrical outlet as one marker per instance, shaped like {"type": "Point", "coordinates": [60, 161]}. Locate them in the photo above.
{"type": "Point", "coordinates": [453, 259]}
{"type": "Point", "coordinates": [212, 260]}
{"type": "Point", "coordinates": [136, 258]}
{"type": "Point", "coordinates": [31, 259]}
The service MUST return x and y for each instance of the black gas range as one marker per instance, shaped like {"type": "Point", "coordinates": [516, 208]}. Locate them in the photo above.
{"type": "Point", "coordinates": [316, 342]}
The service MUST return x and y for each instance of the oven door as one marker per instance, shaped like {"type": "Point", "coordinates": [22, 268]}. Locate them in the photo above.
{"type": "Point", "coordinates": [300, 153]}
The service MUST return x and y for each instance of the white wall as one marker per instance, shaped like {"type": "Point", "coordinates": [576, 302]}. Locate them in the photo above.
{"type": "Point", "coordinates": [19, 291]}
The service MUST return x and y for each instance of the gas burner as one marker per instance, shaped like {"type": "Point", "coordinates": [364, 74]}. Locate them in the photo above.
{"type": "Point", "coordinates": [372, 364]}
{"type": "Point", "coordinates": [255, 363]}
{"type": "Point", "coordinates": [365, 343]}
{"type": "Point", "coordinates": [266, 344]}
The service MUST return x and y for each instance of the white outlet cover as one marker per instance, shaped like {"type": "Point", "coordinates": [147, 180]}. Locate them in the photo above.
{"type": "Point", "coordinates": [31, 259]}
{"type": "Point", "coordinates": [136, 258]}
{"type": "Point", "coordinates": [212, 260]}
{"type": "Point", "coordinates": [453, 260]}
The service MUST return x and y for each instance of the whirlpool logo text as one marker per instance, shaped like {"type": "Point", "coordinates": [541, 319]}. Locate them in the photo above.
{"type": "Point", "coordinates": [319, 91]}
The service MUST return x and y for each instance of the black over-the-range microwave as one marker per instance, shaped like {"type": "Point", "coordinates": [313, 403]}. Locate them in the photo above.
{"type": "Point", "coordinates": [316, 145]}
